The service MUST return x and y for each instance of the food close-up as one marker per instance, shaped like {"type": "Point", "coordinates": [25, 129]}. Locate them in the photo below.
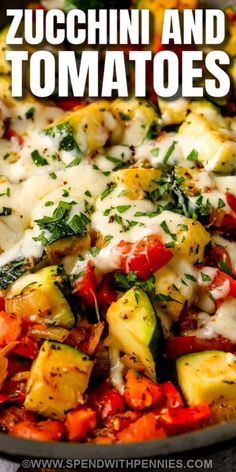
{"type": "Point", "coordinates": [117, 259]}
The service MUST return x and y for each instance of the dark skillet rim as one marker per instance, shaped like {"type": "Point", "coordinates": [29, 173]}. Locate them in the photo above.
{"type": "Point", "coordinates": [11, 447]}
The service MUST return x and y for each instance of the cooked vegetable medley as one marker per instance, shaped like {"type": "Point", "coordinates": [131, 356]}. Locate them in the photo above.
{"type": "Point", "coordinates": [117, 264]}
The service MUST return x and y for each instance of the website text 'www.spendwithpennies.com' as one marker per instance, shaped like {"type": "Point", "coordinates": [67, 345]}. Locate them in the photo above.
{"type": "Point", "coordinates": [161, 464]}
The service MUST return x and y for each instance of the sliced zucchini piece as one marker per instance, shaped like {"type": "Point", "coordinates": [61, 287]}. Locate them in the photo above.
{"type": "Point", "coordinates": [43, 296]}
{"type": "Point", "coordinates": [71, 246]}
{"type": "Point", "coordinates": [86, 129]}
{"type": "Point", "coordinates": [216, 143]}
{"type": "Point", "coordinates": [139, 119]}
{"type": "Point", "coordinates": [207, 376]}
{"type": "Point", "coordinates": [58, 378]}
{"type": "Point", "coordinates": [135, 328]}
{"type": "Point", "coordinates": [137, 181]}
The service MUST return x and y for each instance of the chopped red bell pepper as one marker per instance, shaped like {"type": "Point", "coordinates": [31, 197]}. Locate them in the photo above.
{"type": "Point", "coordinates": [145, 428]}
{"type": "Point", "coordinates": [79, 423]}
{"type": "Point", "coordinates": [141, 392]}
{"type": "Point", "coordinates": [42, 431]}
{"type": "Point", "coordinates": [27, 347]}
{"type": "Point", "coordinates": [181, 420]}
{"type": "Point", "coordinates": [86, 287]}
{"type": "Point", "coordinates": [106, 401]}
{"type": "Point", "coordinates": [17, 364]}
{"type": "Point", "coordinates": [143, 257]}
{"type": "Point", "coordinates": [177, 346]}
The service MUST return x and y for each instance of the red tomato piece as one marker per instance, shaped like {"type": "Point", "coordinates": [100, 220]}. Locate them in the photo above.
{"type": "Point", "coordinates": [143, 257]}
{"type": "Point", "coordinates": [141, 392]}
{"type": "Point", "coordinates": [12, 397]}
{"type": "Point", "coordinates": [42, 431]}
{"type": "Point", "coordinates": [106, 295]}
{"type": "Point", "coordinates": [10, 327]}
{"type": "Point", "coordinates": [172, 398]}
{"type": "Point", "coordinates": [177, 346]}
{"type": "Point", "coordinates": [180, 420]}
{"type": "Point", "coordinates": [27, 347]}
{"type": "Point", "coordinates": [106, 401]}
{"type": "Point", "coordinates": [218, 254]}
{"type": "Point", "coordinates": [2, 304]}
{"type": "Point", "coordinates": [231, 200]}
{"type": "Point", "coordinates": [10, 133]}
{"type": "Point", "coordinates": [145, 428]}
{"type": "Point", "coordinates": [122, 420]}
{"type": "Point", "coordinates": [70, 103]}
{"type": "Point", "coordinates": [79, 423]}
{"type": "Point", "coordinates": [86, 287]}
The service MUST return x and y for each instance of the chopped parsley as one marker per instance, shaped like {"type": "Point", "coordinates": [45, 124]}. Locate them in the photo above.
{"type": "Point", "coordinates": [169, 152]}
{"type": "Point", "coordinates": [6, 211]}
{"type": "Point", "coordinates": [205, 277]}
{"type": "Point", "coordinates": [123, 208]}
{"type": "Point", "coordinates": [155, 152]}
{"type": "Point", "coordinates": [193, 155]}
{"type": "Point", "coordinates": [52, 175]}
{"type": "Point", "coordinates": [30, 113]}
{"type": "Point", "coordinates": [123, 116]}
{"type": "Point", "coordinates": [60, 225]}
{"type": "Point", "coordinates": [94, 251]}
{"type": "Point", "coordinates": [39, 160]}
{"type": "Point", "coordinates": [110, 187]}
{"type": "Point", "coordinates": [221, 203]}
{"type": "Point", "coordinates": [190, 277]}
{"type": "Point", "coordinates": [224, 267]}
{"type": "Point", "coordinates": [75, 162]}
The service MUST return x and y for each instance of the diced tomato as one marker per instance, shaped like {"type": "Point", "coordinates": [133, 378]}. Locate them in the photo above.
{"type": "Point", "coordinates": [15, 414]}
{"type": "Point", "coordinates": [42, 431]}
{"type": "Point", "coordinates": [12, 397]}
{"type": "Point", "coordinates": [177, 346]}
{"type": "Point", "coordinates": [180, 420]}
{"type": "Point", "coordinates": [106, 295]}
{"type": "Point", "coordinates": [27, 347]}
{"type": "Point", "coordinates": [218, 254]}
{"type": "Point", "coordinates": [17, 364]}
{"type": "Point", "coordinates": [141, 392]}
{"type": "Point", "coordinates": [172, 398]}
{"type": "Point", "coordinates": [10, 133]}
{"type": "Point", "coordinates": [231, 200]}
{"type": "Point", "coordinates": [229, 222]}
{"type": "Point", "coordinates": [86, 287]}
{"type": "Point", "coordinates": [79, 423]}
{"type": "Point", "coordinates": [220, 279]}
{"type": "Point", "coordinates": [145, 428]}
{"type": "Point", "coordinates": [106, 401]}
{"type": "Point", "coordinates": [122, 420]}
{"type": "Point", "coordinates": [70, 103]}
{"type": "Point", "coordinates": [143, 257]}
{"type": "Point", "coordinates": [10, 327]}
{"type": "Point", "coordinates": [2, 304]}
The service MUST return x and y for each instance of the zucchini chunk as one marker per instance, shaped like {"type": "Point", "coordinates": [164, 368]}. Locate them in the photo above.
{"type": "Point", "coordinates": [58, 378]}
{"type": "Point", "coordinates": [42, 297]}
{"type": "Point", "coordinates": [207, 376]}
{"type": "Point", "coordinates": [134, 328]}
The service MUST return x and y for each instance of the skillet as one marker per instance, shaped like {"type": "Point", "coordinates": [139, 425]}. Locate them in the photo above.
{"type": "Point", "coordinates": [11, 447]}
